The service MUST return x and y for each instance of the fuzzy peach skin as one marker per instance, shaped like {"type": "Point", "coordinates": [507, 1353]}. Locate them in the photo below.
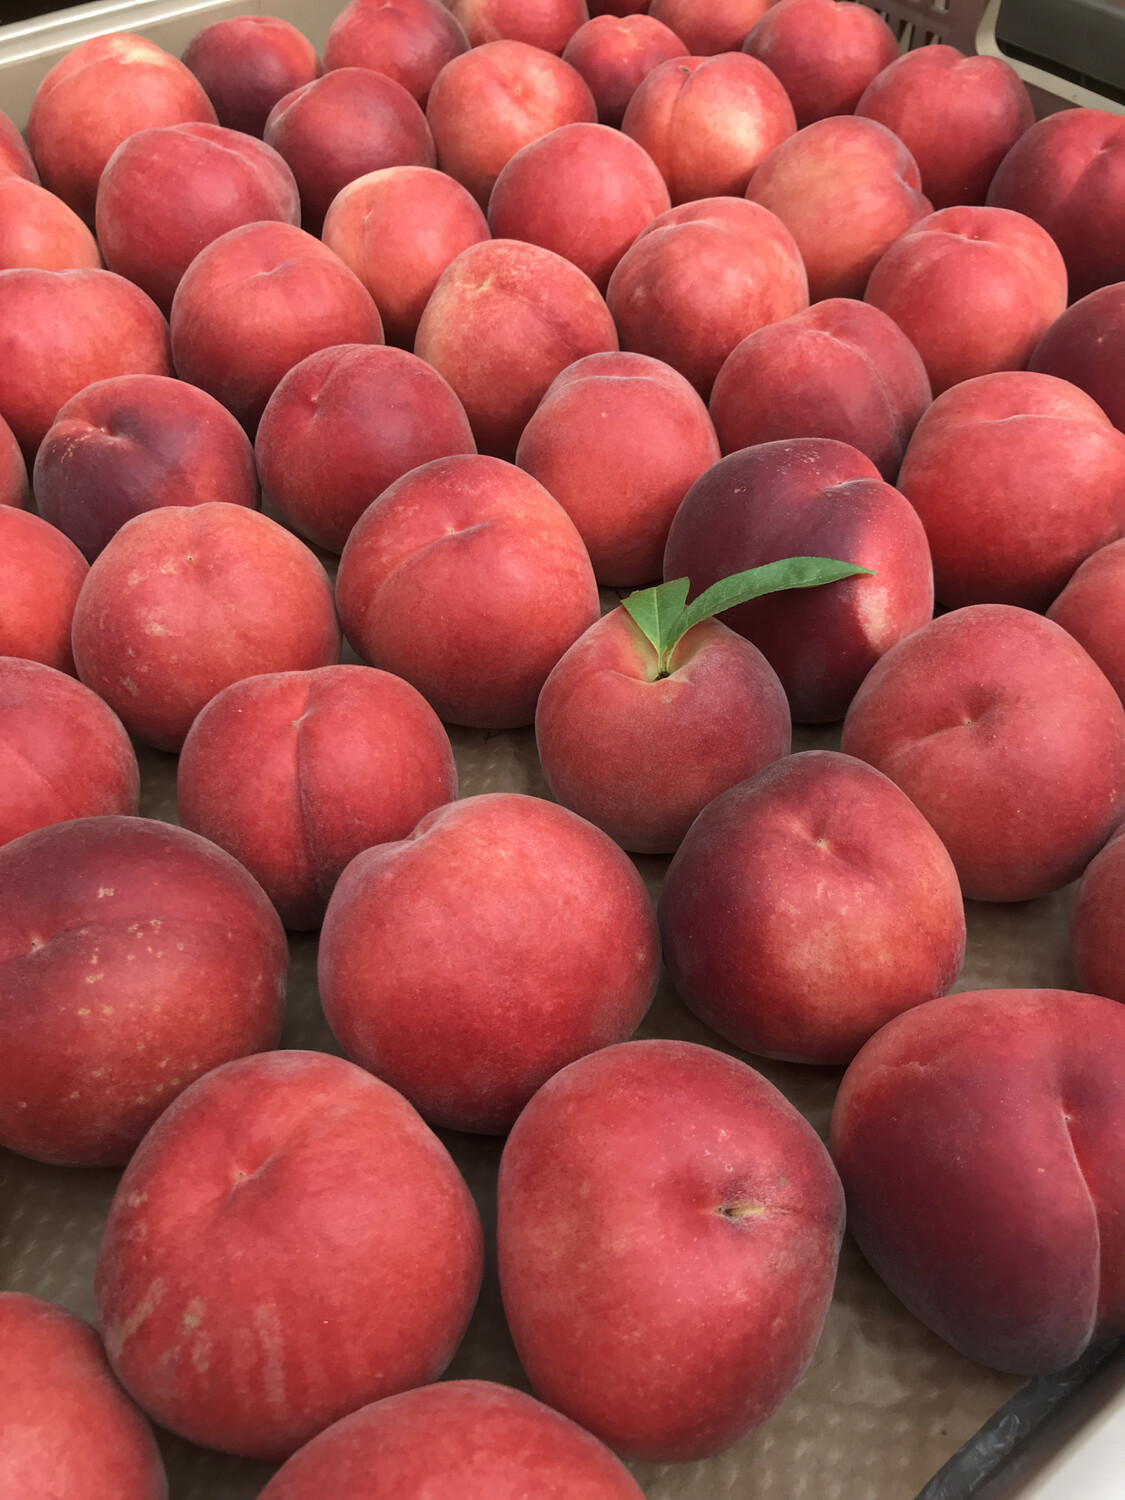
{"type": "Point", "coordinates": [37, 229]}
{"type": "Point", "coordinates": [41, 573]}
{"type": "Point", "coordinates": [343, 425]}
{"type": "Point", "coordinates": [62, 330]}
{"type": "Point", "coordinates": [557, 955]}
{"type": "Point", "coordinates": [246, 64]}
{"type": "Point", "coordinates": [460, 1437]}
{"type": "Point", "coordinates": [504, 320]}
{"type": "Point", "coordinates": [667, 1238]}
{"type": "Point", "coordinates": [469, 581]}
{"type": "Point", "coordinates": [958, 117]}
{"type": "Point", "coordinates": [289, 1243]}
{"type": "Point", "coordinates": [398, 229]}
{"type": "Point", "coordinates": [809, 905]}
{"type": "Point", "coordinates": [344, 757]}
{"type": "Point", "coordinates": [640, 755]}
{"type": "Point", "coordinates": [618, 440]}
{"type": "Point", "coordinates": [1018, 478]}
{"type": "Point", "coordinates": [1091, 608]}
{"type": "Point", "coordinates": [66, 1426]}
{"type": "Point", "coordinates": [717, 26]}
{"type": "Point", "coordinates": [1068, 174]}
{"type": "Point", "coordinates": [1084, 346]}
{"type": "Point", "coordinates": [583, 191]}
{"type": "Point", "coordinates": [809, 497]}
{"type": "Point", "coordinates": [707, 122]}
{"type": "Point", "coordinates": [494, 100]}
{"type": "Point", "coordinates": [973, 289]}
{"type": "Point", "coordinates": [131, 444]}
{"type": "Point", "coordinates": [853, 174]}
{"type": "Point", "coordinates": [699, 279]}
{"type": "Point", "coordinates": [135, 957]}
{"type": "Point", "coordinates": [1097, 923]}
{"type": "Point", "coordinates": [1002, 731]}
{"type": "Point", "coordinates": [63, 752]}
{"type": "Point", "coordinates": [15, 158]}
{"type": "Point", "coordinates": [14, 488]}
{"type": "Point", "coordinates": [256, 302]}
{"type": "Point", "coordinates": [168, 193]}
{"type": "Point", "coordinates": [185, 600]}
{"type": "Point", "coordinates": [615, 54]}
{"type": "Point", "coordinates": [409, 41]}
{"type": "Point", "coordinates": [103, 91]}
{"type": "Point", "coordinates": [546, 24]}
{"type": "Point", "coordinates": [825, 53]}
{"type": "Point", "coordinates": [977, 1139]}
{"type": "Point", "coordinates": [841, 370]}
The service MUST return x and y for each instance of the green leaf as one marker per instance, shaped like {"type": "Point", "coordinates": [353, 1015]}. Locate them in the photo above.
{"type": "Point", "coordinates": [658, 611]}
{"type": "Point", "coordinates": [740, 588]}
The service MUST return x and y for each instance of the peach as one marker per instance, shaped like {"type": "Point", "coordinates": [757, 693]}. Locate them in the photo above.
{"type": "Point", "coordinates": [645, 1192]}
{"type": "Point", "coordinates": [973, 289]}
{"type": "Point", "coordinates": [168, 193]}
{"type": "Point", "coordinates": [62, 330]}
{"type": "Point", "coordinates": [547, 24]}
{"type": "Point", "coordinates": [976, 1139]}
{"type": "Point", "coordinates": [184, 601]}
{"type": "Point", "coordinates": [366, 1259]}
{"type": "Point", "coordinates": [958, 117]}
{"type": "Point", "coordinates": [1017, 477]}
{"type": "Point", "coordinates": [469, 581]}
{"type": "Point", "coordinates": [457, 1437]}
{"type": "Point", "coordinates": [640, 754]}
{"type": "Point", "coordinates": [1083, 346]}
{"type": "Point", "coordinates": [715, 26]}
{"type": "Point", "coordinates": [615, 54]}
{"type": "Point", "coordinates": [487, 104]}
{"type": "Point", "coordinates": [41, 573]}
{"type": "Point", "coordinates": [409, 41]}
{"type": "Point", "coordinates": [853, 174]}
{"type": "Point", "coordinates": [37, 229]}
{"type": "Point", "coordinates": [809, 497]}
{"type": "Point", "coordinates": [504, 319]}
{"type": "Point", "coordinates": [1007, 737]}
{"type": "Point", "coordinates": [14, 488]}
{"type": "Point", "coordinates": [841, 370]}
{"type": "Point", "coordinates": [66, 1426]}
{"type": "Point", "coordinates": [343, 425]}
{"type": "Point", "coordinates": [1068, 174]}
{"type": "Point", "coordinates": [557, 955]}
{"type": "Point", "coordinates": [618, 440]}
{"type": "Point", "coordinates": [64, 752]}
{"type": "Point", "coordinates": [398, 229]}
{"type": "Point", "coordinates": [699, 279]}
{"type": "Point", "coordinates": [246, 64]}
{"type": "Point", "coordinates": [132, 444]}
{"type": "Point", "coordinates": [136, 957]}
{"type": "Point", "coordinates": [344, 757]}
{"type": "Point", "coordinates": [103, 91]}
{"type": "Point", "coordinates": [15, 158]}
{"type": "Point", "coordinates": [1097, 923]}
{"type": "Point", "coordinates": [583, 191]}
{"type": "Point", "coordinates": [707, 122]}
{"type": "Point", "coordinates": [350, 122]}
{"type": "Point", "coordinates": [807, 907]}
{"type": "Point", "coordinates": [255, 303]}
{"type": "Point", "coordinates": [1091, 608]}
{"type": "Point", "coordinates": [824, 52]}
{"type": "Point", "coordinates": [617, 7]}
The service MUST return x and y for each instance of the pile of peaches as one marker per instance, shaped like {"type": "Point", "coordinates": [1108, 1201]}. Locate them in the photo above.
{"type": "Point", "coordinates": [520, 345]}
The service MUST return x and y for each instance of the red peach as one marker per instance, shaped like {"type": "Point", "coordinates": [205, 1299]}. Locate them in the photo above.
{"type": "Point", "coordinates": [469, 581]}
{"type": "Point", "coordinates": [707, 122]}
{"type": "Point", "coordinates": [615, 53]}
{"type": "Point", "coordinates": [41, 573]}
{"type": "Point", "coordinates": [1097, 923]}
{"type": "Point", "coordinates": [494, 100]}
{"type": "Point", "coordinates": [852, 174]}
{"type": "Point", "coordinates": [14, 488]}
{"type": "Point", "coordinates": [1084, 346]}
{"type": "Point", "coordinates": [15, 158]}
{"type": "Point", "coordinates": [409, 41]}
{"type": "Point", "coordinates": [246, 64]}
{"type": "Point", "coordinates": [99, 94]}
{"type": "Point", "coordinates": [825, 53]}
{"type": "Point", "coordinates": [618, 439]}
{"type": "Point", "coordinates": [186, 600]}
{"type": "Point", "coordinates": [64, 752]}
{"type": "Point", "coordinates": [1091, 608]}
{"type": "Point", "coordinates": [131, 444]}
{"type": "Point", "coordinates": [717, 26]}
{"type": "Point", "coordinates": [37, 229]}
{"type": "Point", "coordinates": [841, 370]}
{"type": "Point", "coordinates": [547, 24]}
{"type": "Point", "coordinates": [398, 229]}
